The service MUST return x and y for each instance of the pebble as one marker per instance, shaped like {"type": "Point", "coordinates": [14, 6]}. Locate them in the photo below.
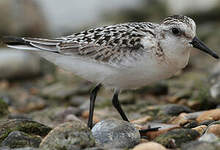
{"type": "Point", "coordinates": [32, 103]}
{"type": "Point", "coordinates": [18, 64]}
{"type": "Point", "coordinates": [214, 128]}
{"type": "Point", "coordinates": [209, 137]}
{"type": "Point", "coordinates": [58, 90]}
{"type": "Point", "coordinates": [213, 114]}
{"type": "Point", "coordinates": [149, 146]}
{"type": "Point", "coordinates": [61, 115]}
{"type": "Point", "coordinates": [151, 135]}
{"type": "Point", "coordinates": [78, 100]}
{"type": "Point", "coordinates": [200, 129]}
{"type": "Point", "coordinates": [18, 139]}
{"type": "Point", "coordinates": [116, 133]}
{"type": "Point", "coordinates": [27, 126]}
{"type": "Point", "coordinates": [69, 135]}
{"type": "Point", "coordinates": [179, 120]}
{"type": "Point", "coordinates": [3, 108]}
{"type": "Point", "coordinates": [200, 145]}
{"type": "Point", "coordinates": [175, 109]}
{"type": "Point", "coordinates": [176, 137]}
{"type": "Point", "coordinates": [142, 120]}
{"type": "Point", "coordinates": [23, 148]}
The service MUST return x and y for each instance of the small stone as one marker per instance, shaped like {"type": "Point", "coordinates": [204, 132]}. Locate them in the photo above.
{"type": "Point", "coordinates": [149, 146]}
{"type": "Point", "coordinates": [179, 120]}
{"type": "Point", "coordinates": [69, 135]}
{"type": "Point", "coordinates": [18, 64]}
{"type": "Point", "coordinates": [176, 137]}
{"type": "Point", "coordinates": [85, 115]}
{"type": "Point", "coordinates": [214, 128]}
{"type": "Point", "coordinates": [151, 135]}
{"type": "Point", "coordinates": [200, 129]}
{"type": "Point", "coordinates": [31, 104]}
{"type": "Point", "coordinates": [207, 122]}
{"type": "Point", "coordinates": [58, 91]}
{"type": "Point", "coordinates": [116, 133]}
{"type": "Point", "coordinates": [175, 109]}
{"type": "Point", "coordinates": [191, 124]}
{"type": "Point", "coordinates": [3, 108]}
{"type": "Point", "coordinates": [142, 120]}
{"type": "Point", "coordinates": [68, 111]}
{"type": "Point", "coordinates": [78, 100]}
{"type": "Point", "coordinates": [209, 115]}
{"type": "Point", "coordinates": [27, 126]}
{"type": "Point", "coordinates": [200, 145]}
{"type": "Point", "coordinates": [17, 139]}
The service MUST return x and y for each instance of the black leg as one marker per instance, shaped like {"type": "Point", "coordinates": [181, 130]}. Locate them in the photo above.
{"type": "Point", "coordinates": [92, 105]}
{"type": "Point", "coordinates": [117, 105]}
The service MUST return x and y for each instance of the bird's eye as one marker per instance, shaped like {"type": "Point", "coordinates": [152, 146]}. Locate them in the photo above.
{"type": "Point", "coordinates": [176, 31]}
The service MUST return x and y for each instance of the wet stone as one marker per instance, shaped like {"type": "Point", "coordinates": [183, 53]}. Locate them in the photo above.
{"type": "Point", "coordinates": [69, 135]}
{"type": "Point", "coordinates": [23, 148]}
{"type": "Point", "coordinates": [68, 111]}
{"type": "Point", "coordinates": [176, 137]}
{"type": "Point", "coordinates": [209, 115]}
{"type": "Point", "coordinates": [191, 124]}
{"type": "Point", "coordinates": [116, 133]}
{"type": "Point", "coordinates": [17, 139]}
{"type": "Point", "coordinates": [3, 108]}
{"type": "Point", "coordinates": [31, 103]}
{"type": "Point", "coordinates": [175, 109]}
{"type": "Point", "coordinates": [214, 128]}
{"type": "Point", "coordinates": [77, 100]}
{"type": "Point", "coordinates": [27, 126]}
{"type": "Point", "coordinates": [58, 91]}
{"type": "Point", "coordinates": [149, 146]}
{"type": "Point", "coordinates": [200, 145]}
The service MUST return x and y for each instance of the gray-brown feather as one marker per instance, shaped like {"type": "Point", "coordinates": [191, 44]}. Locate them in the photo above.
{"type": "Point", "coordinates": [105, 44]}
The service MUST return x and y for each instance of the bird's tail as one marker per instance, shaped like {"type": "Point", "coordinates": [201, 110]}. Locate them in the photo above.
{"type": "Point", "coordinates": [32, 43]}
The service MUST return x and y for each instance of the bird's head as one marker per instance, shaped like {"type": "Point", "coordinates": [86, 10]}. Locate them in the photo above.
{"type": "Point", "coordinates": [178, 34]}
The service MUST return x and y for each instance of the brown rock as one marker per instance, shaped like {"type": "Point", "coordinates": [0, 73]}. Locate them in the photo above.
{"type": "Point", "coordinates": [200, 129]}
{"type": "Point", "coordinates": [209, 115]}
{"type": "Point", "coordinates": [215, 129]}
{"type": "Point", "coordinates": [153, 134]}
{"type": "Point", "coordinates": [149, 146]}
{"type": "Point", "coordinates": [179, 120]}
{"type": "Point", "coordinates": [142, 120]}
{"type": "Point", "coordinates": [85, 115]}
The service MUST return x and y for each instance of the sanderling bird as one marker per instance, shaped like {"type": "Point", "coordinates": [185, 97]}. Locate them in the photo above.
{"type": "Point", "coordinates": [121, 56]}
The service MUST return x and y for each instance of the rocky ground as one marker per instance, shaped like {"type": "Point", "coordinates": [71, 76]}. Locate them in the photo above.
{"type": "Point", "coordinates": [43, 107]}
{"type": "Point", "coordinates": [50, 110]}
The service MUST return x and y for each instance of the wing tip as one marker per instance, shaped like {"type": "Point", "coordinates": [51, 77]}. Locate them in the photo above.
{"type": "Point", "coordinates": [11, 40]}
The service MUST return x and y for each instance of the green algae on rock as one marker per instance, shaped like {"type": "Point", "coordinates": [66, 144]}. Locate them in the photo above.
{"type": "Point", "coordinates": [176, 137]}
{"type": "Point", "coordinates": [26, 126]}
{"type": "Point", "coordinates": [3, 108]}
{"type": "Point", "coordinates": [69, 135]}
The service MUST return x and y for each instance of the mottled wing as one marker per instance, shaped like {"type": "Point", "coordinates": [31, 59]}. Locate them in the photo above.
{"type": "Point", "coordinates": [109, 44]}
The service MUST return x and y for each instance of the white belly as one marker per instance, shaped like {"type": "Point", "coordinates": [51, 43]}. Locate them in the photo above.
{"type": "Point", "coordinates": [141, 73]}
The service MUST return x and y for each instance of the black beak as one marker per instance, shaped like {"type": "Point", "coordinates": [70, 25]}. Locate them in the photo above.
{"type": "Point", "coordinates": [201, 46]}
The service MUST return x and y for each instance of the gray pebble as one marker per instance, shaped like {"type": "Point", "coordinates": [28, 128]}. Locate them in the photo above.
{"type": "Point", "coordinates": [115, 133]}
{"type": "Point", "coordinates": [18, 139]}
{"type": "Point", "coordinates": [73, 135]}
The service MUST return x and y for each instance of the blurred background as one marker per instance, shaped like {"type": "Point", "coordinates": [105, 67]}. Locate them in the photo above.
{"type": "Point", "coordinates": [27, 80]}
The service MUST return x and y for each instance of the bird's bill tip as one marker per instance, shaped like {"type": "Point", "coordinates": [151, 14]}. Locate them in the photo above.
{"type": "Point", "coordinates": [201, 46]}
